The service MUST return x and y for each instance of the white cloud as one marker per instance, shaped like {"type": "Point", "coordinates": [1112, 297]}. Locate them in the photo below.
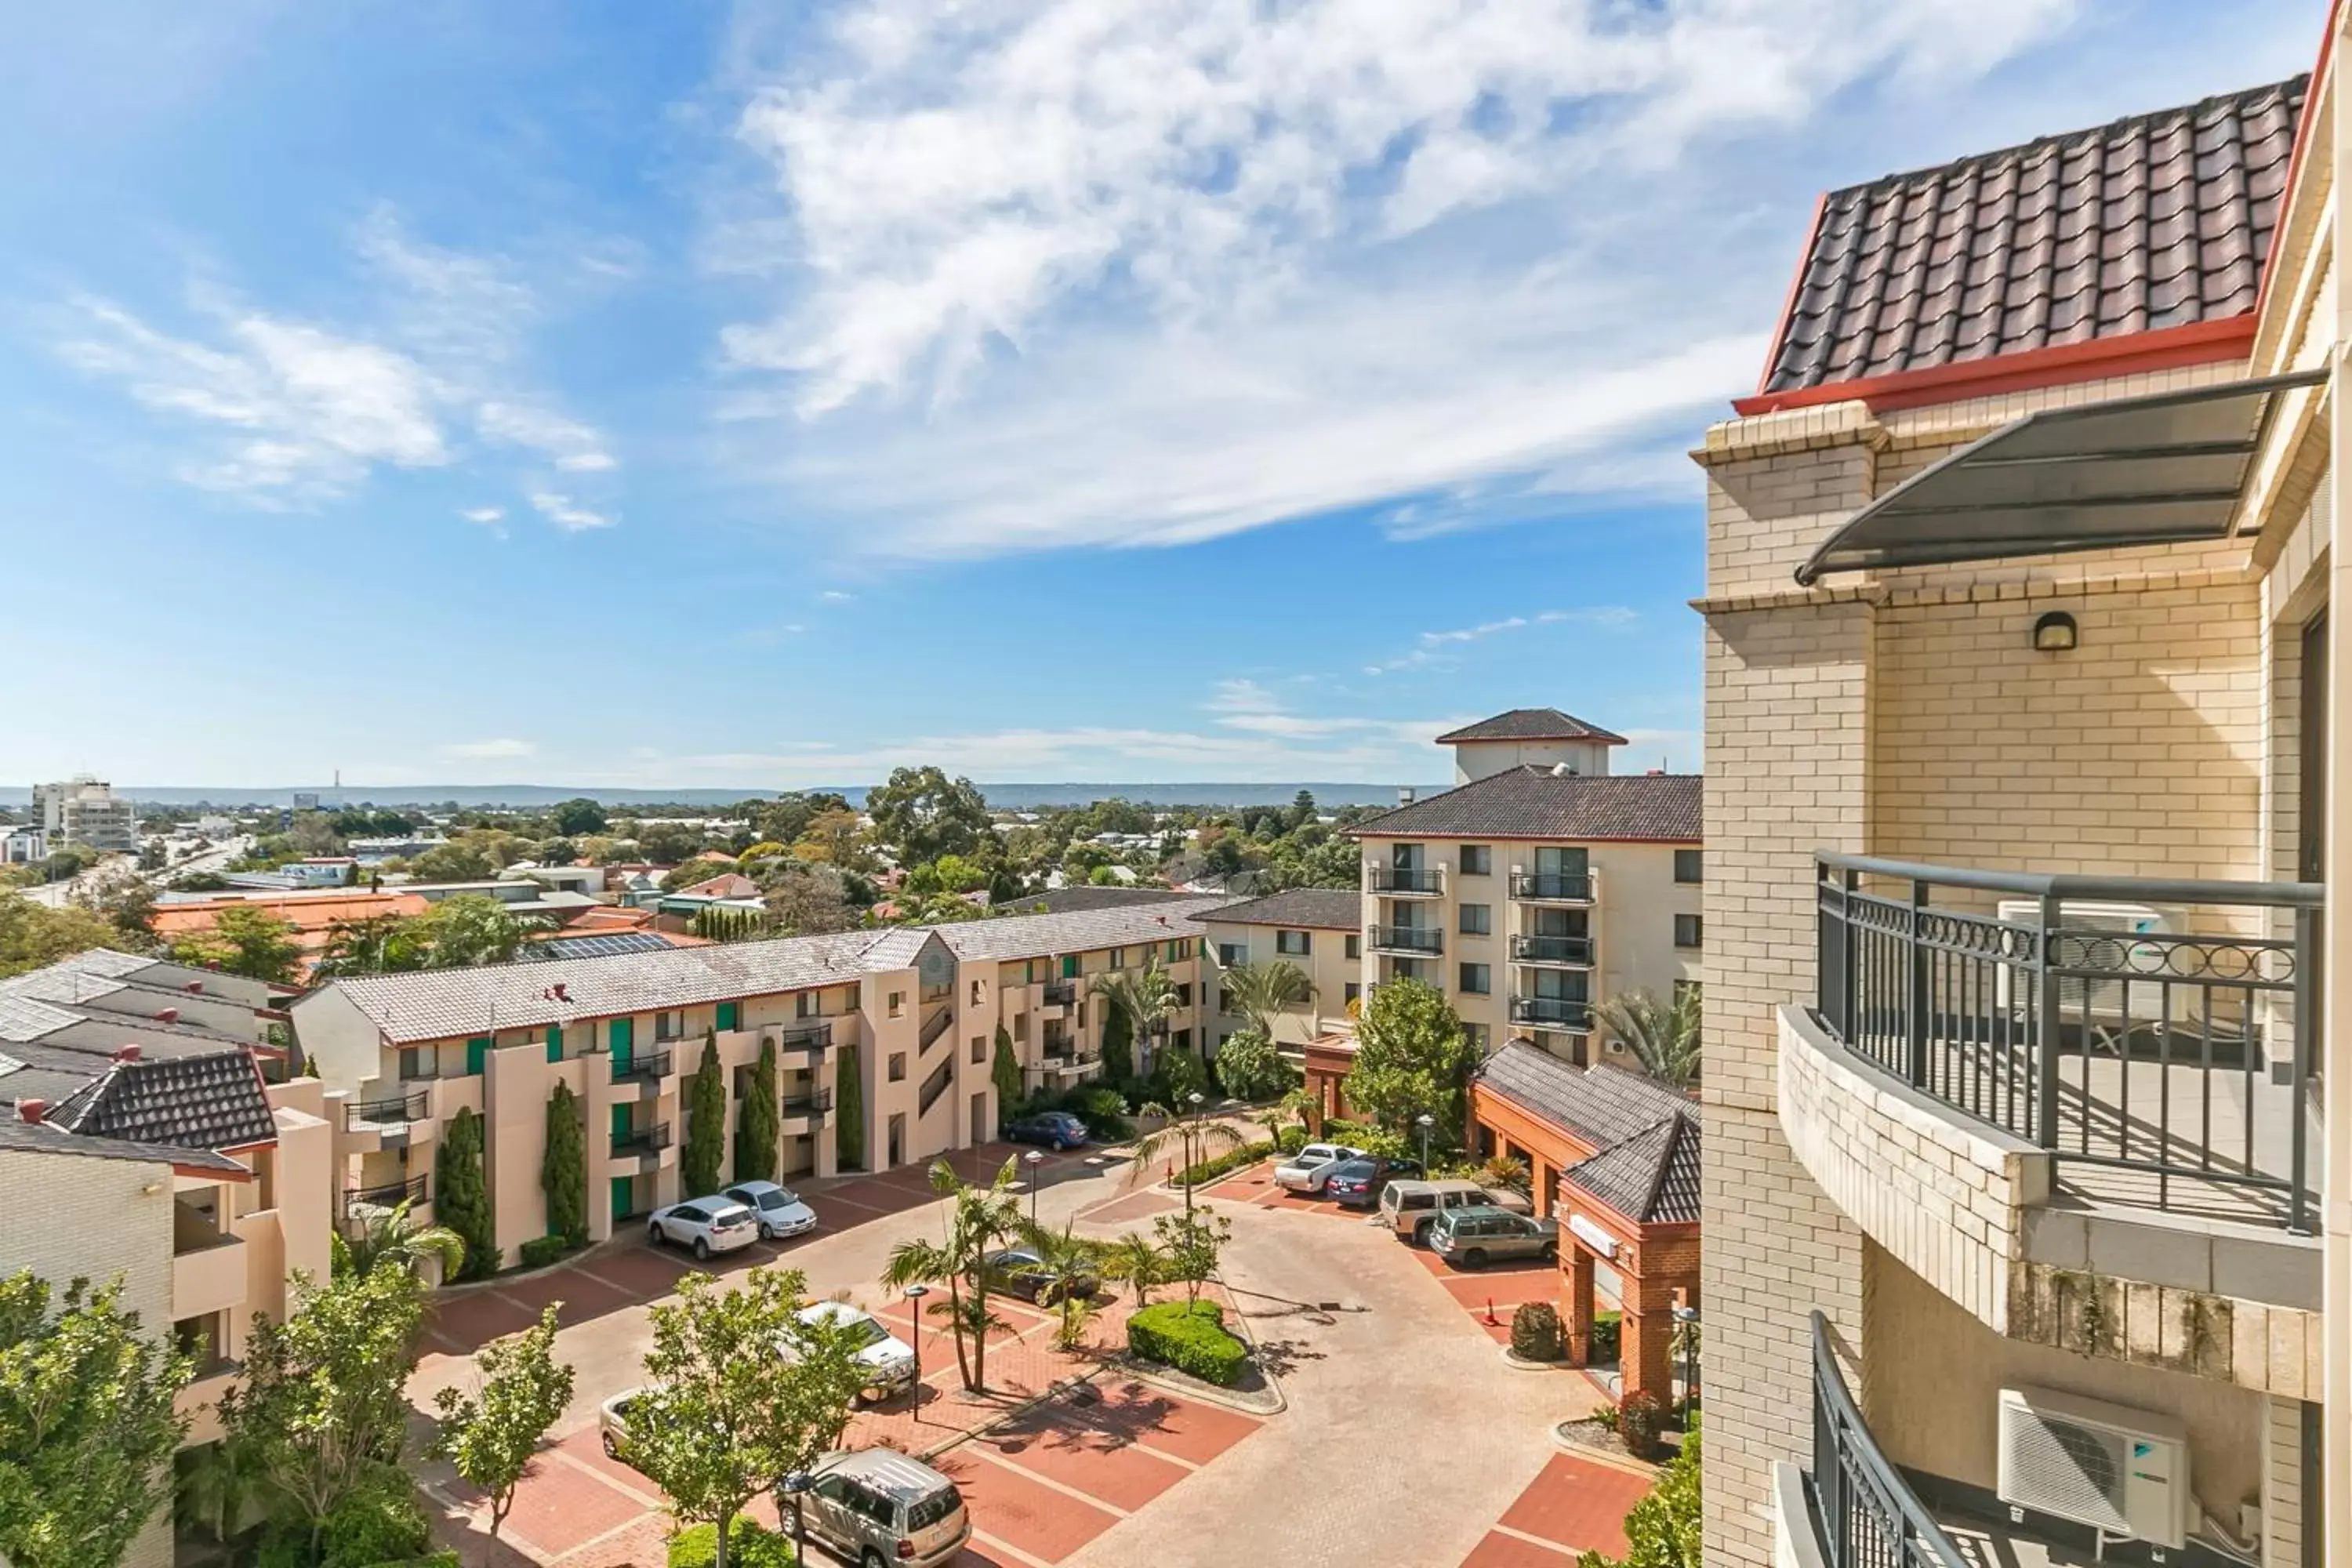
{"type": "Point", "coordinates": [483, 514]}
{"type": "Point", "coordinates": [481, 751]}
{"type": "Point", "coordinates": [836, 597]}
{"type": "Point", "coordinates": [1146, 271]}
{"type": "Point", "coordinates": [1430, 649]}
{"type": "Point", "coordinates": [568, 515]}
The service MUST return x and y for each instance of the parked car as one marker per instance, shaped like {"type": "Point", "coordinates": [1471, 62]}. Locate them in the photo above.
{"type": "Point", "coordinates": [1305, 1171]}
{"type": "Point", "coordinates": [1021, 1272]}
{"type": "Point", "coordinates": [888, 1361]}
{"type": "Point", "coordinates": [703, 1226]}
{"type": "Point", "coordinates": [878, 1506]}
{"type": "Point", "coordinates": [1474, 1237]}
{"type": "Point", "coordinates": [1411, 1208]}
{"type": "Point", "coordinates": [1057, 1129]}
{"type": "Point", "coordinates": [778, 1209]}
{"type": "Point", "coordinates": [612, 1422]}
{"type": "Point", "coordinates": [1357, 1182]}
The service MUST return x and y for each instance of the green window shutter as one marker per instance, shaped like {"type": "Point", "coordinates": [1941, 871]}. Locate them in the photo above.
{"type": "Point", "coordinates": [555, 1042]}
{"type": "Point", "coordinates": [620, 1122]}
{"type": "Point", "coordinates": [477, 1055]}
{"type": "Point", "coordinates": [620, 1037]}
{"type": "Point", "coordinates": [730, 1015]}
{"type": "Point", "coordinates": [624, 1192]}
{"type": "Point", "coordinates": [1070, 966]}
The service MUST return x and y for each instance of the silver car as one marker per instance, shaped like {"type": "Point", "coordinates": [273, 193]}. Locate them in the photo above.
{"type": "Point", "coordinates": [1306, 1171]}
{"type": "Point", "coordinates": [876, 1506]}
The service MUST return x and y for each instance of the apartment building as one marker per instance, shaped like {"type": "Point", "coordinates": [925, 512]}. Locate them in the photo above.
{"type": "Point", "coordinates": [2026, 1233]}
{"type": "Point", "coordinates": [913, 1014]}
{"type": "Point", "coordinates": [1318, 929]}
{"type": "Point", "coordinates": [86, 811]}
{"type": "Point", "coordinates": [1538, 885]}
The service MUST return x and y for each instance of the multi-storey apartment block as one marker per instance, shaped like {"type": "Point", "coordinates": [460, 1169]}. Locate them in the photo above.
{"type": "Point", "coordinates": [86, 811]}
{"type": "Point", "coordinates": [2028, 1008]}
{"type": "Point", "coordinates": [914, 1014]}
{"type": "Point", "coordinates": [1318, 929]}
{"type": "Point", "coordinates": [1538, 885]}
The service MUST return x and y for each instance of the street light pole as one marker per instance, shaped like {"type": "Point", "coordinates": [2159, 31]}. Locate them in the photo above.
{"type": "Point", "coordinates": [1033, 1160]}
{"type": "Point", "coordinates": [1190, 1125]}
{"type": "Point", "coordinates": [915, 1293]}
{"type": "Point", "coordinates": [1687, 1319]}
{"type": "Point", "coordinates": [1424, 1121]}
{"type": "Point", "coordinates": [796, 1486]}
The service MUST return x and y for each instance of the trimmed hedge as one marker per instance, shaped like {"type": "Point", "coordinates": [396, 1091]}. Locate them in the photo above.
{"type": "Point", "coordinates": [1209, 1170]}
{"type": "Point", "coordinates": [1535, 1332]}
{"type": "Point", "coordinates": [1290, 1141]}
{"type": "Point", "coordinates": [1608, 1332]}
{"type": "Point", "coordinates": [542, 1250]}
{"type": "Point", "coordinates": [749, 1545]}
{"type": "Point", "coordinates": [1190, 1339]}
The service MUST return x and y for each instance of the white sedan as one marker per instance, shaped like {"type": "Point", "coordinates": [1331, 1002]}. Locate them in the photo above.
{"type": "Point", "coordinates": [703, 1226]}
{"type": "Point", "coordinates": [888, 1361]}
{"type": "Point", "coordinates": [779, 1210]}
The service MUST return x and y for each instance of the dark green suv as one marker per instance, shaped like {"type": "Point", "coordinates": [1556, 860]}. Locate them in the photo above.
{"type": "Point", "coordinates": [1473, 1237]}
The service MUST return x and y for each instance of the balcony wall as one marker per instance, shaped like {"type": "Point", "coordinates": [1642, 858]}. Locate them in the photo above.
{"type": "Point", "coordinates": [209, 1278]}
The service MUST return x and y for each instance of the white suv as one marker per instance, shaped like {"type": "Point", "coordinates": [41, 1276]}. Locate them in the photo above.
{"type": "Point", "coordinates": [703, 1226]}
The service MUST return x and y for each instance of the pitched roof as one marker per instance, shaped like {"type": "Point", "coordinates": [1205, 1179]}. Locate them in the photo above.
{"type": "Point", "coordinates": [594, 944]}
{"type": "Point", "coordinates": [48, 1138]}
{"type": "Point", "coordinates": [1532, 724]}
{"type": "Point", "coordinates": [2160, 220]}
{"type": "Point", "coordinates": [1533, 802]}
{"type": "Point", "coordinates": [1320, 909]}
{"type": "Point", "coordinates": [1601, 1105]}
{"type": "Point", "coordinates": [1651, 1178]}
{"type": "Point", "coordinates": [28, 1018]}
{"type": "Point", "coordinates": [1078, 930]}
{"type": "Point", "coordinates": [1064, 901]}
{"type": "Point", "coordinates": [210, 1101]}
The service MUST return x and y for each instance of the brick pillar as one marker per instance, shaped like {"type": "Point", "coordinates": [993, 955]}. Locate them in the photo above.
{"type": "Point", "coordinates": [1646, 1356]}
{"type": "Point", "coordinates": [1576, 1303]}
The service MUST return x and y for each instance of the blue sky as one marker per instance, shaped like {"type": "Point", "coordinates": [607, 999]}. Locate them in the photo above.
{"type": "Point", "coordinates": [1109, 389]}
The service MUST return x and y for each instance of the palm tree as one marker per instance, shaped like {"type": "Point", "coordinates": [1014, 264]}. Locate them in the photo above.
{"type": "Point", "coordinates": [1663, 1035]}
{"type": "Point", "coordinates": [1190, 1131]}
{"type": "Point", "coordinates": [979, 1221]}
{"type": "Point", "coordinates": [1262, 991]}
{"type": "Point", "coordinates": [219, 1488]}
{"type": "Point", "coordinates": [389, 1235]}
{"type": "Point", "coordinates": [1134, 1259]}
{"type": "Point", "coordinates": [1144, 997]}
{"type": "Point", "coordinates": [1065, 1259]}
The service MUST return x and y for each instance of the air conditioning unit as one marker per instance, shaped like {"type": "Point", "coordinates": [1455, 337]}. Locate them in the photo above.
{"type": "Point", "coordinates": [2123, 1472]}
{"type": "Point", "coordinates": [2106, 1002]}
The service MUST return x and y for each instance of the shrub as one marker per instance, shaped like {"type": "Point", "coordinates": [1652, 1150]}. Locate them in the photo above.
{"type": "Point", "coordinates": [1641, 1416]}
{"type": "Point", "coordinates": [1104, 1110]}
{"type": "Point", "coordinates": [749, 1545]}
{"type": "Point", "coordinates": [1216, 1165]}
{"type": "Point", "coordinates": [1608, 1331]}
{"type": "Point", "coordinates": [378, 1523]}
{"type": "Point", "coordinates": [1190, 1339]}
{"type": "Point", "coordinates": [1290, 1140]}
{"type": "Point", "coordinates": [542, 1250]}
{"type": "Point", "coordinates": [1535, 1332]}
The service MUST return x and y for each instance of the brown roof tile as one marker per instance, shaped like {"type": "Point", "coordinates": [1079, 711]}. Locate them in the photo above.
{"type": "Point", "coordinates": [1533, 802]}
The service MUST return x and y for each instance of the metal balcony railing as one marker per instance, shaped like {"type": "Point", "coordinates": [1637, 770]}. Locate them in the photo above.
{"type": "Point", "coordinates": [641, 1141]}
{"type": "Point", "coordinates": [656, 1065]}
{"type": "Point", "coordinates": [1552, 1012]}
{"type": "Point", "coordinates": [935, 1086]}
{"type": "Point", "coordinates": [387, 1194]}
{"type": "Point", "coordinates": [1408, 938]}
{"type": "Point", "coordinates": [394, 1111]}
{"type": "Point", "coordinates": [814, 1035]}
{"type": "Point", "coordinates": [934, 1027]}
{"type": "Point", "coordinates": [2155, 1036]}
{"type": "Point", "coordinates": [1575, 950]}
{"type": "Point", "coordinates": [1560, 886]}
{"type": "Point", "coordinates": [1865, 1515]}
{"type": "Point", "coordinates": [1061, 992]}
{"type": "Point", "coordinates": [1406, 878]}
{"type": "Point", "coordinates": [818, 1103]}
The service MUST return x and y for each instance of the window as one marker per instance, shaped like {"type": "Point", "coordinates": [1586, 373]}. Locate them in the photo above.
{"type": "Point", "coordinates": [1478, 979]}
{"type": "Point", "coordinates": [670, 1026]}
{"type": "Point", "coordinates": [1686, 931]}
{"type": "Point", "coordinates": [417, 1063]}
{"type": "Point", "coordinates": [1477, 860]}
{"type": "Point", "coordinates": [1182, 1039]}
{"type": "Point", "coordinates": [897, 1067]}
{"type": "Point", "coordinates": [1476, 1035]}
{"type": "Point", "coordinates": [1294, 943]}
{"type": "Point", "coordinates": [1690, 866]}
{"type": "Point", "coordinates": [1477, 919]}
{"type": "Point", "coordinates": [897, 1003]}
{"type": "Point", "coordinates": [1118, 958]}
{"type": "Point", "coordinates": [1176, 953]}
{"type": "Point", "coordinates": [1020, 1027]}
{"type": "Point", "coordinates": [1355, 948]}
{"type": "Point", "coordinates": [731, 1016]}
{"type": "Point", "coordinates": [806, 1003]}
{"type": "Point", "coordinates": [1350, 992]}
{"type": "Point", "coordinates": [1231, 954]}
{"type": "Point", "coordinates": [1184, 994]}
{"type": "Point", "coordinates": [979, 1049]}
{"type": "Point", "coordinates": [976, 992]}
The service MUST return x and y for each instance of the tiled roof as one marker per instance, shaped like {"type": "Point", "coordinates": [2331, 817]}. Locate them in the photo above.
{"type": "Point", "coordinates": [598, 945]}
{"type": "Point", "coordinates": [28, 1018]}
{"type": "Point", "coordinates": [1534, 802]}
{"type": "Point", "coordinates": [1066, 900]}
{"type": "Point", "coordinates": [1532, 724]}
{"type": "Point", "coordinates": [1078, 930]}
{"type": "Point", "coordinates": [1651, 1178]}
{"type": "Point", "coordinates": [2157, 221]}
{"type": "Point", "coordinates": [48, 1138]}
{"type": "Point", "coordinates": [210, 1101]}
{"type": "Point", "coordinates": [1319, 909]}
{"type": "Point", "coordinates": [1601, 1105]}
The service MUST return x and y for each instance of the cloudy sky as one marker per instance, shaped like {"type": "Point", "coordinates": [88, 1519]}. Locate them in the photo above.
{"type": "Point", "coordinates": [1118, 390]}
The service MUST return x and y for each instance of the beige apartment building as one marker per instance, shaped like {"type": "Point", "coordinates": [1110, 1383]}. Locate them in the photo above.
{"type": "Point", "coordinates": [2026, 1233]}
{"type": "Point", "coordinates": [1539, 885]}
{"type": "Point", "coordinates": [913, 1013]}
{"type": "Point", "coordinates": [1318, 929]}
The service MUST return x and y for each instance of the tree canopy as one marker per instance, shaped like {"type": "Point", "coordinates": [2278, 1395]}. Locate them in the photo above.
{"type": "Point", "coordinates": [492, 1439]}
{"type": "Point", "coordinates": [578, 817]}
{"type": "Point", "coordinates": [32, 936]}
{"type": "Point", "coordinates": [920, 815]}
{"type": "Point", "coordinates": [243, 939]}
{"type": "Point", "coordinates": [1412, 1059]}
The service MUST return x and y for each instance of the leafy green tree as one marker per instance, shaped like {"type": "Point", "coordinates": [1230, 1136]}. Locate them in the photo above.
{"type": "Point", "coordinates": [218, 1490]}
{"type": "Point", "coordinates": [392, 1238]}
{"type": "Point", "coordinates": [466, 858]}
{"type": "Point", "coordinates": [86, 1427]}
{"type": "Point", "coordinates": [1191, 1242]}
{"type": "Point", "coordinates": [1413, 1058]}
{"type": "Point", "coordinates": [492, 1439]}
{"type": "Point", "coordinates": [702, 1161]}
{"type": "Point", "coordinates": [849, 1109]}
{"type": "Point", "coordinates": [322, 1405]}
{"type": "Point", "coordinates": [473, 929]}
{"type": "Point", "coordinates": [789, 814]}
{"type": "Point", "coordinates": [1663, 1035]}
{"type": "Point", "coordinates": [377, 945]}
{"type": "Point", "coordinates": [920, 815]}
{"type": "Point", "coordinates": [669, 843]}
{"type": "Point", "coordinates": [461, 1196]}
{"type": "Point", "coordinates": [1251, 1069]}
{"type": "Point", "coordinates": [128, 904]}
{"type": "Point", "coordinates": [245, 940]}
{"type": "Point", "coordinates": [723, 1415]}
{"type": "Point", "coordinates": [980, 1221]}
{"type": "Point", "coordinates": [808, 899]}
{"type": "Point", "coordinates": [33, 935]}
{"type": "Point", "coordinates": [1662, 1530]}
{"type": "Point", "coordinates": [1302, 809]}
{"type": "Point", "coordinates": [563, 1169]}
{"type": "Point", "coordinates": [1004, 1071]}
{"type": "Point", "coordinates": [761, 1125]}
{"type": "Point", "coordinates": [576, 817]}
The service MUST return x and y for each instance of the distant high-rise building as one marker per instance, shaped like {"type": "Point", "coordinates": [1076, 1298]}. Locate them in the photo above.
{"type": "Point", "coordinates": [306, 802]}
{"type": "Point", "coordinates": [86, 811]}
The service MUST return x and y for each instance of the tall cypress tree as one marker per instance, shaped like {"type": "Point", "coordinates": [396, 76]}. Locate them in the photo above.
{"type": "Point", "coordinates": [1006, 1072]}
{"type": "Point", "coordinates": [700, 1166]}
{"type": "Point", "coordinates": [762, 1121]}
{"type": "Point", "coordinates": [461, 1196]}
{"type": "Point", "coordinates": [1118, 1042]}
{"type": "Point", "coordinates": [564, 1172]}
{"type": "Point", "coordinates": [848, 1110]}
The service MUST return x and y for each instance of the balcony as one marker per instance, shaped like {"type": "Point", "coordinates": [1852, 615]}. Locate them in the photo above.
{"type": "Point", "coordinates": [385, 1123]}
{"type": "Point", "coordinates": [644, 1145]}
{"type": "Point", "coordinates": [1070, 1062]}
{"type": "Point", "coordinates": [1060, 993]}
{"type": "Point", "coordinates": [805, 1112]}
{"type": "Point", "coordinates": [1410, 941]}
{"type": "Point", "coordinates": [385, 1195]}
{"type": "Point", "coordinates": [812, 1038]}
{"type": "Point", "coordinates": [1854, 1509]}
{"type": "Point", "coordinates": [645, 1072]}
{"type": "Point", "coordinates": [1564, 1012]}
{"type": "Point", "coordinates": [1552, 886]}
{"type": "Point", "coordinates": [1405, 881]}
{"type": "Point", "coordinates": [208, 1278]}
{"type": "Point", "coordinates": [1553, 952]}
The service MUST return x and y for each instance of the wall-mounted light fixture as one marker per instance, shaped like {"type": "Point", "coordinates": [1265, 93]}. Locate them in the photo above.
{"type": "Point", "coordinates": [2055, 633]}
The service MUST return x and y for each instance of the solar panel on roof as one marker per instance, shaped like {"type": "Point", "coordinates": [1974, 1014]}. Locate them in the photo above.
{"type": "Point", "coordinates": [607, 945]}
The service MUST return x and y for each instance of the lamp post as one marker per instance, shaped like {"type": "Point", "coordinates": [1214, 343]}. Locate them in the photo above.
{"type": "Point", "coordinates": [1424, 1121]}
{"type": "Point", "coordinates": [1191, 1121]}
{"type": "Point", "coordinates": [1033, 1160]}
{"type": "Point", "coordinates": [1687, 1319]}
{"type": "Point", "coordinates": [796, 1486]}
{"type": "Point", "coordinates": [915, 1293]}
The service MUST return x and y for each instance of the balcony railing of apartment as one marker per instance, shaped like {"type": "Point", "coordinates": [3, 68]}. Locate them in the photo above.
{"type": "Point", "coordinates": [2150, 1033]}
{"type": "Point", "coordinates": [935, 1086]}
{"type": "Point", "coordinates": [635, 1068]}
{"type": "Point", "coordinates": [641, 1141]}
{"type": "Point", "coordinates": [1552, 950]}
{"type": "Point", "coordinates": [1061, 992]}
{"type": "Point", "coordinates": [1409, 938]}
{"type": "Point", "coordinates": [387, 1194]}
{"type": "Point", "coordinates": [1565, 886]}
{"type": "Point", "coordinates": [809, 1102]}
{"type": "Point", "coordinates": [394, 1111]}
{"type": "Point", "coordinates": [936, 1026]}
{"type": "Point", "coordinates": [816, 1034]}
{"type": "Point", "coordinates": [1406, 878]}
{"type": "Point", "coordinates": [1866, 1514]}
{"type": "Point", "coordinates": [1552, 1012]}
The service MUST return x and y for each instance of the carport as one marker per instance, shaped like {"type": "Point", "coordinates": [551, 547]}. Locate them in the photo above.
{"type": "Point", "coordinates": [1635, 1207]}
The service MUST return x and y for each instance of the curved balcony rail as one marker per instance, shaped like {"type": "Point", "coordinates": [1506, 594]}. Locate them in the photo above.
{"type": "Point", "coordinates": [1552, 1012]}
{"type": "Point", "coordinates": [2154, 1035]}
{"type": "Point", "coordinates": [1553, 887]}
{"type": "Point", "coordinates": [397, 1111]}
{"type": "Point", "coordinates": [1405, 879]}
{"type": "Point", "coordinates": [1865, 1515]}
{"type": "Point", "coordinates": [386, 1194]}
{"type": "Point", "coordinates": [1570, 950]}
{"type": "Point", "coordinates": [1408, 938]}
{"type": "Point", "coordinates": [633, 1069]}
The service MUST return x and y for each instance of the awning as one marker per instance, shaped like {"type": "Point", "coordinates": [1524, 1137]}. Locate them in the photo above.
{"type": "Point", "coordinates": [2136, 470]}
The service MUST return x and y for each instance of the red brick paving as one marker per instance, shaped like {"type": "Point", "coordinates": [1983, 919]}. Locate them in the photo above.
{"type": "Point", "coordinates": [1010, 1505]}
{"type": "Point", "coordinates": [1160, 1420]}
{"type": "Point", "coordinates": [1106, 1464]}
{"type": "Point", "coordinates": [639, 1271]}
{"type": "Point", "coordinates": [1499, 1550]}
{"type": "Point", "coordinates": [587, 1448]}
{"type": "Point", "coordinates": [467, 1323]}
{"type": "Point", "coordinates": [561, 1507]}
{"type": "Point", "coordinates": [583, 1295]}
{"type": "Point", "coordinates": [1579, 1503]}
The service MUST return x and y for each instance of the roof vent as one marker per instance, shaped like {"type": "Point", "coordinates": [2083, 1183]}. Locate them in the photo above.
{"type": "Point", "coordinates": [196, 987]}
{"type": "Point", "coordinates": [131, 1052]}
{"type": "Point", "coordinates": [32, 1110]}
{"type": "Point", "coordinates": [168, 1016]}
{"type": "Point", "coordinates": [1562, 771]}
